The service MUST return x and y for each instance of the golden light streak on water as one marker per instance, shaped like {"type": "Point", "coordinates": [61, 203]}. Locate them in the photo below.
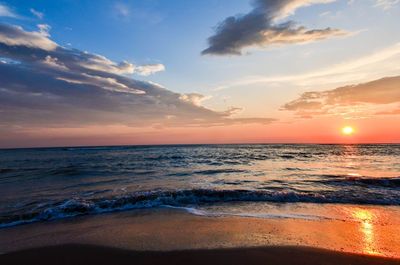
{"type": "Point", "coordinates": [367, 219]}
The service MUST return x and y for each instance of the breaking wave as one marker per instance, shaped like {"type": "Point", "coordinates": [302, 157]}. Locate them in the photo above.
{"type": "Point", "coordinates": [182, 198]}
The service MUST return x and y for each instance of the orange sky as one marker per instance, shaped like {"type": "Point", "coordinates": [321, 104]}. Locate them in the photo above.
{"type": "Point", "coordinates": [321, 130]}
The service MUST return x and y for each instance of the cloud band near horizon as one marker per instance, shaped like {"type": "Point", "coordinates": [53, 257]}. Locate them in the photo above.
{"type": "Point", "coordinates": [383, 91]}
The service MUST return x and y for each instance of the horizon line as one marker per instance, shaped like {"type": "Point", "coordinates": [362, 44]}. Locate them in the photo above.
{"type": "Point", "coordinates": [187, 144]}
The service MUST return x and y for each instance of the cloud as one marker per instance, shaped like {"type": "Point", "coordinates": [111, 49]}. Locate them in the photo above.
{"type": "Point", "coordinates": [386, 4]}
{"type": "Point", "coordinates": [44, 29]}
{"type": "Point", "coordinates": [6, 12]}
{"type": "Point", "coordinates": [194, 98]}
{"type": "Point", "coordinates": [128, 12]}
{"type": "Point", "coordinates": [324, 14]}
{"type": "Point", "coordinates": [122, 10]}
{"type": "Point", "coordinates": [370, 67]}
{"type": "Point", "coordinates": [149, 69]}
{"type": "Point", "coordinates": [340, 100]}
{"type": "Point", "coordinates": [37, 13]}
{"type": "Point", "coordinates": [46, 85]}
{"type": "Point", "coordinates": [101, 63]}
{"type": "Point", "coordinates": [260, 28]}
{"type": "Point", "coordinates": [395, 111]}
{"type": "Point", "coordinates": [14, 36]}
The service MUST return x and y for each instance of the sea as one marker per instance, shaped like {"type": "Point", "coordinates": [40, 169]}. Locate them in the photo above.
{"type": "Point", "coordinates": [42, 184]}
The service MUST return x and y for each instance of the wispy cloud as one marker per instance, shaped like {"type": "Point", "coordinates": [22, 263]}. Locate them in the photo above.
{"type": "Point", "coordinates": [370, 66]}
{"type": "Point", "coordinates": [122, 10]}
{"type": "Point", "coordinates": [261, 27]}
{"type": "Point", "coordinates": [37, 13]}
{"type": "Point", "coordinates": [5, 11]}
{"type": "Point", "coordinates": [46, 85]}
{"type": "Point", "coordinates": [324, 14]}
{"type": "Point", "coordinates": [395, 111]}
{"type": "Point", "coordinates": [149, 69]}
{"type": "Point", "coordinates": [341, 100]}
{"type": "Point", "coordinates": [127, 12]}
{"type": "Point", "coordinates": [386, 4]}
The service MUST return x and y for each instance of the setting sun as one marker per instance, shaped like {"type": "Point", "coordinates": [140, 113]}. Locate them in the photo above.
{"type": "Point", "coordinates": [348, 130]}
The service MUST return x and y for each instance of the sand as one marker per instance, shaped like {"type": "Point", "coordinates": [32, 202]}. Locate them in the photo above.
{"type": "Point", "coordinates": [88, 254]}
{"type": "Point", "coordinates": [170, 236]}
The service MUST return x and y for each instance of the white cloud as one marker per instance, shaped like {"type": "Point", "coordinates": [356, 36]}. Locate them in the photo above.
{"type": "Point", "coordinates": [194, 98]}
{"type": "Point", "coordinates": [101, 63]}
{"type": "Point", "coordinates": [44, 29]}
{"type": "Point", "coordinates": [53, 62]}
{"type": "Point", "coordinates": [16, 36]}
{"type": "Point", "coordinates": [37, 13]}
{"type": "Point", "coordinates": [282, 9]}
{"type": "Point", "coordinates": [386, 4]}
{"type": "Point", "coordinates": [149, 69]}
{"type": "Point", "coordinates": [6, 12]}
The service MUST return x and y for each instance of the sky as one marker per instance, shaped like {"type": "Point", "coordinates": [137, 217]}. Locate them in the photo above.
{"type": "Point", "coordinates": [192, 72]}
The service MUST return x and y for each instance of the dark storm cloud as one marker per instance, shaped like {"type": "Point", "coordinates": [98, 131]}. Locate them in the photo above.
{"type": "Point", "coordinates": [260, 28]}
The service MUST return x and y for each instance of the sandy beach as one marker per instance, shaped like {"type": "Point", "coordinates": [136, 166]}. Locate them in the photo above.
{"type": "Point", "coordinates": [171, 236]}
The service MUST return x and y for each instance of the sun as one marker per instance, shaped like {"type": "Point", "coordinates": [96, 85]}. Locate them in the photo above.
{"type": "Point", "coordinates": [348, 130]}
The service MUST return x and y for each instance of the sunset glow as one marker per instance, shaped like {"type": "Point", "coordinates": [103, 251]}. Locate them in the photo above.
{"type": "Point", "coordinates": [249, 73]}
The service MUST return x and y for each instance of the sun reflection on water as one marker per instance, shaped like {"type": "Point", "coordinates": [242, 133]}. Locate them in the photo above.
{"type": "Point", "coordinates": [367, 219]}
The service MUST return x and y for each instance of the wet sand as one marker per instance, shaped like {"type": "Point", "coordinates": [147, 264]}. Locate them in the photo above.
{"type": "Point", "coordinates": [88, 254]}
{"type": "Point", "coordinates": [123, 236]}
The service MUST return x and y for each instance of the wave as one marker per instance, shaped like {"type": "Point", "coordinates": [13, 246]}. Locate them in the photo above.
{"type": "Point", "coordinates": [383, 182]}
{"type": "Point", "coordinates": [65, 171]}
{"type": "Point", "coordinates": [387, 182]}
{"type": "Point", "coordinates": [219, 171]}
{"type": "Point", "coordinates": [182, 198]}
{"type": "Point", "coordinates": [5, 170]}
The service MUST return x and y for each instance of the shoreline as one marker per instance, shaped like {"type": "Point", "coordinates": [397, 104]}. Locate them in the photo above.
{"type": "Point", "coordinates": [165, 229]}
{"type": "Point", "coordinates": [283, 255]}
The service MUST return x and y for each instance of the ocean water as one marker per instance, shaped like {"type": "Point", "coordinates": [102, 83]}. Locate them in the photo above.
{"type": "Point", "coordinates": [43, 184]}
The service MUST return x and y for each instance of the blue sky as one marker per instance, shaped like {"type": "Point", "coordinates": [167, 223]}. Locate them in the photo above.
{"type": "Point", "coordinates": [175, 32]}
{"type": "Point", "coordinates": [258, 82]}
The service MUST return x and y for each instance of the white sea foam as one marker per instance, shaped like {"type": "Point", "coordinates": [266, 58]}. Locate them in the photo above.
{"type": "Point", "coordinates": [199, 212]}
